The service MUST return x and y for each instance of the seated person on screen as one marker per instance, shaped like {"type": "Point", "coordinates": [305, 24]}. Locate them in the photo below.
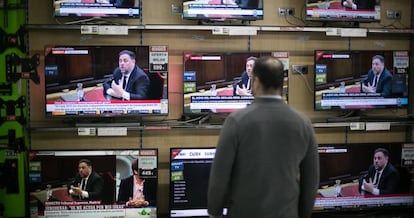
{"type": "Point", "coordinates": [135, 191]}
{"type": "Point", "coordinates": [129, 82]}
{"type": "Point", "coordinates": [88, 185]}
{"type": "Point", "coordinates": [382, 176]}
{"type": "Point", "coordinates": [379, 78]}
{"type": "Point", "coordinates": [243, 87]}
{"type": "Point", "coordinates": [359, 4]}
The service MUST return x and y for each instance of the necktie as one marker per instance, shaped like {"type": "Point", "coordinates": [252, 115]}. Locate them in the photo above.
{"type": "Point", "coordinates": [124, 82]}
{"type": "Point", "coordinates": [374, 83]}
{"type": "Point", "coordinates": [248, 84]}
{"type": "Point", "coordinates": [83, 184]}
{"type": "Point", "coordinates": [376, 179]}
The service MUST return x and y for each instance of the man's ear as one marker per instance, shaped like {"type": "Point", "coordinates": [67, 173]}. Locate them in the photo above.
{"type": "Point", "coordinates": [257, 85]}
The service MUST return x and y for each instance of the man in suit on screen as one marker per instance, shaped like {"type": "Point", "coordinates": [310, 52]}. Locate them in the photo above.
{"type": "Point", "coordinates": [243, 87]}
{"type": "Point", "coordinates": [88, 185]}
{"type": "Point", "coordinates": [382, 177]}
{"type": "Point", "coordinates": [128, 82]}
{"type": "Point", "coordinates": [379, 79]}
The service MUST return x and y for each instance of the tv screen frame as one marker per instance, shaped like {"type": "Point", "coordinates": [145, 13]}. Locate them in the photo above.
{"type": "Point", "coordinates": [346, 162]}
{"type": "Point", "coordinates": [92, 66]}
{"type": "Point", "coordinates": [329, 10]}
{"type": "Point", "coordinates": [188, 193]}
{"type": "Point", "coordinates": [52, 171]}
{"type": "Point", "coordinates": [209, 80]}
{"type": "Point", "coordinates": [90, 8]}
{"type": "Point", "coordinates": [341, 87]}
{"type": "Point", "coordinates": [223, 10]}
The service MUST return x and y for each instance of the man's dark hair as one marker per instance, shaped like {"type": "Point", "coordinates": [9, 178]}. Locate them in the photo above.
{"type": "Point", "coordinates": [134, 164]}
{"type": "Point", "coordinates": [383, 150]}
{"type": "Point", "coordinates": [128, 52]}
{"type": "Point", "coordinates": [379, 57]}
{"type": "Point", "coordinates": [86, 161]}
{"type": "Point", "coordinates": [251, 58]}
{"type": "Point", "coordinates": [270, 72]}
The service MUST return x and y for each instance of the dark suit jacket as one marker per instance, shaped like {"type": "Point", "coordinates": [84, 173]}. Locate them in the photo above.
{"type": "Point", "coordinates": [389, 180]}
{"type": "Point", "coordinates": [384, 85]}
{"type": "Point", "coordinates": [138, 83]}
{"type": "Point", "coordinates": [126, 190]}
{"type": "Point", "coordinates": [244, 79]}
{"type": "Point", "coordinates": [94, 186]}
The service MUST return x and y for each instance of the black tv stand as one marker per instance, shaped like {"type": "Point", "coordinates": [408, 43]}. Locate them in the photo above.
{"type": "Point", "coordinates": [360, 116]}
{"type": "Point", "coordinates": [353, 115]}
{"type": "Point", "coordinates": [351, 24]}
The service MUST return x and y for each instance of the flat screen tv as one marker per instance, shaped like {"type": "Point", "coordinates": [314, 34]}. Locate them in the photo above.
{"type": "Point", "coordinates": [344, 80]}
{"type": "Point", "coordinates": [223, 9]}
{"type": "Point", "coordinates": [343, 10]}
{"type": "Point", "coordinates": [210, 80]}
{"type": "Point", "coordinates": [189, 173]}
{"type": "Point", "coordinates": [77, 77]}
{"type": "Point", "coordinates": [53, 172]}
{"type": "Point", "coordinates": [100, 8]}
{"type": "Point", "coordinates": [343, 166]}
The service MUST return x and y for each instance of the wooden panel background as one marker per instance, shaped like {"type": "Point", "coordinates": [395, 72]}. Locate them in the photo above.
{"type": "Point", "coordinates": [300, 46]}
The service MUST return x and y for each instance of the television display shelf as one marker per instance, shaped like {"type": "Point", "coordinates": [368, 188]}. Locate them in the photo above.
{"type": "Point", "coordinates": [138, 126]}
{"type": "Point", "coordinates": [230, 27]}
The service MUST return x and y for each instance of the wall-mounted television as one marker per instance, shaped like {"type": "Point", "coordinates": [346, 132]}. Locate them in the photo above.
{"type": "Point", "coordinates": [189, 173]}
{"type": "Point", "coordinates": [52, 173]}
{"type": "Point", "coordinates": [100, 8]}
{"type": "Point", "coordinates": [211, 80]}
{"type": "Point", "coordinates": [223, 9]}
{"type": "Point", "coordinates": [343, 10]}
{"type": "Point", "coordinates": [341, 164]}
{"type": "Point", "coordinates": [342, 168]}
{"type": "Point", "coordinates": [77, 79]}
{"type": "Point", "coordinates": [344, 79]}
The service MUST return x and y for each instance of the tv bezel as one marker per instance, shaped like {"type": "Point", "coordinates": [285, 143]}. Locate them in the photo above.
{"type": "Point", "coordinates": [330, 209]}
{"type": "Point", "coordinates": [89, 154]}
{"type": "Point", "coordinates": [334, 18]}
{"type": "Point", "coordinates": [58, 14]}
{"type": "Point", "coordinates": [357, 110]}
{"type": "Point", "coordinates": [222, 17]}
{"type": "Point", "coordinates": [170, 207]}
{"type": "Point", "coordinates": [163, 101]}
{"type": "Point", "coordinates": [282, 55]}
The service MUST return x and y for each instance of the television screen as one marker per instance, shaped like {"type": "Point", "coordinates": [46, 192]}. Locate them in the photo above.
{"type": "Point", "coordinates": [211, 80]}
{"type": "Point", "coordinates": [223, 9]}
{"type": "Point", "coordinates": [54, 174]}
{"type": "Point", "coordinates": [346, 79]}
{"type": "Point", "coordinates": [341, 168]}
{"type": "Point", "coordinates": [99, 8]}
{"type": "Point", "coordinates": [189, 173]}
{"type": "Point", "coordinates": [86, 80]}
{"type": "Point", "coordinates": [344, 166]}
{"type": "Point", "coordinates": [343, 10]}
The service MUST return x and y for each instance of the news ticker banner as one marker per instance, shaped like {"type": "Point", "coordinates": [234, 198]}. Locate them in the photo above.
{"type": "Point", "coordinates": [94, 209]}
{"type": "Point", "coordinates": [99, 107]}
{"type": "Point", "coordinates": [359, 100]}
{"type": "Point", "coordinates": [220, 102]}
{"type": "Point", "coordinates": [364, 201]}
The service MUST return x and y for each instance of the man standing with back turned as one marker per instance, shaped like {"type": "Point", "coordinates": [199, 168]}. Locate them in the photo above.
{"type": "Point", "coordinates": [266, 163]}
